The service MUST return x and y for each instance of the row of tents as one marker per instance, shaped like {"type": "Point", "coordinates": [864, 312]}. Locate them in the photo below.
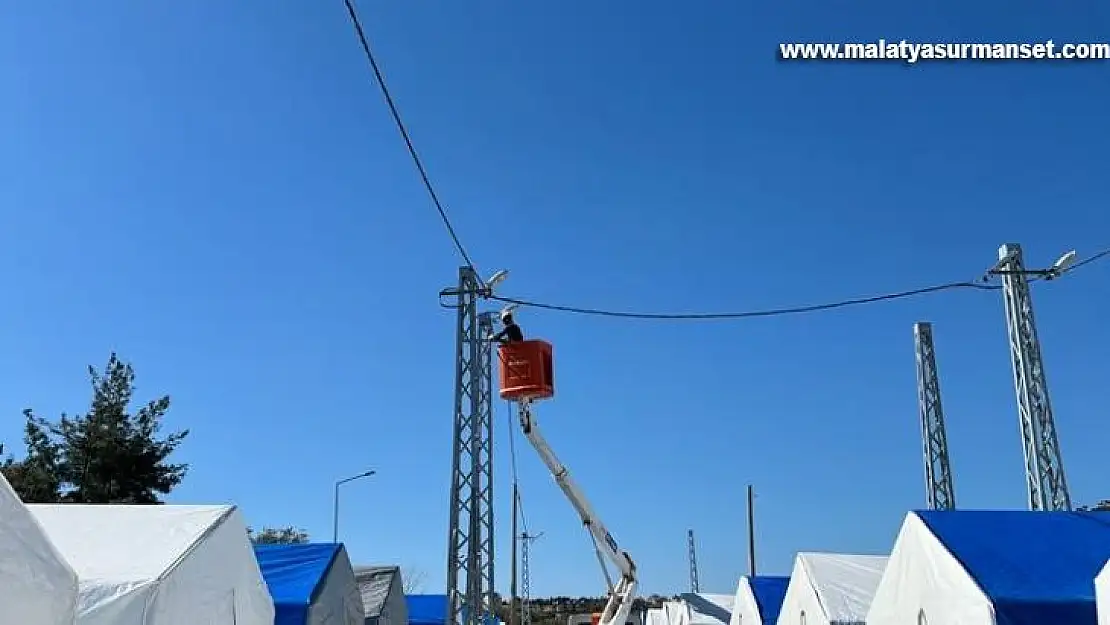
{"type": "Point", "coordinates": [946, 568]}
{"type": "Point", "coordinates": [178, 565]}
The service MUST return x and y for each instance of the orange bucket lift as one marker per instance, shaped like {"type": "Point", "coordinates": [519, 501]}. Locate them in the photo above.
{"type": "Point", "coordinates": [527, 373]}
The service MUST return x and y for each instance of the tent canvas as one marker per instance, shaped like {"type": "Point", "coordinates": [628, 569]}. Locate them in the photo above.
{"type": "Point", "coordinates": [675, 612]}
{"type": "Point", "coordinates": [655, 616]}
{"type": "Point", "coordinates": [994, 567]}
{"type": "Point", "coordinates": [1102, 595]}
{"type": "Point", "coordinates": [311, 584]}
{"type": "Point", "coordinates": [706, 608]}
{"type": "Point", "coordinates": [758, 600]}
{"type": "Point", "coordinates": [159, 565]}
{"type": "Point", "coordinates": [37, 585]}
{"type": "Point", "coordinates": [383, 595]}
{"type": "Point", "coordinates": [426, 609]}
{"type": "Point", "coordinates": [830, 589]}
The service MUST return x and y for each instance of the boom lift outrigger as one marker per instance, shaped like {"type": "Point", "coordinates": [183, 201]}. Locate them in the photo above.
{"type": "Point", "coordinates": [621, 594]}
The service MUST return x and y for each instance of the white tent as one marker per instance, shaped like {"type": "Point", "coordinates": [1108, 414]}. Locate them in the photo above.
{"type": "Point", "coordinates": [979, 567]}
{"type": "Point", "coordinates": [159, 565]}
{"type": "Point", "coordinates": [675, 612]}
{"type": "Point", "coordinates": [36, 584]}
{"type": "Point", "coordinates": [1102, 595]}
{"type": "Point", "coordinates": [656, 616]}
{"type": "Point", "coordinates": [758, 600]}
{"type": "Point", "coordinates": [830, 589]}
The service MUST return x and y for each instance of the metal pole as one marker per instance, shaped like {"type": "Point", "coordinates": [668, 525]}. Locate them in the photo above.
{"type": "Point", "coordinates": [335, 515]}
{"type": "Point", "coordinates": [751, 531]}
{"type": "Point", "coordinates": [335, 502]}
{"type": "Point", "coordinates": [693, 558]}
{"type": "Point", "coordinates": [526, 541]}
{"type": "Point", "coordinates": [470, 551]}
{"type": "Point", "coordinates": [513, 620]}
{"type": "Point", "coordinates": [940, 494]}
{"type": "Point", "coordinates": [1044, 465]}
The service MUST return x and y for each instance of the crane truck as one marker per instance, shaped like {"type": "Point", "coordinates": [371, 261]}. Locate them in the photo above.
{"type": "Point", "coordinates": [620, 595]}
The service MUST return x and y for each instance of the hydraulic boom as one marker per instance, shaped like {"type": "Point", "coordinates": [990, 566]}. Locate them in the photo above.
{"type": "Point", "coordinates": [619, 603]}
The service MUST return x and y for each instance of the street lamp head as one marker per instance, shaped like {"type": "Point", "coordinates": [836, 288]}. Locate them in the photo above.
{"type": "Point", "coordinates": [1063, 262]}
{"type": "Point", "coordinates": [368, 473]}
{"type": "Point", "coordinates": [496, 279]}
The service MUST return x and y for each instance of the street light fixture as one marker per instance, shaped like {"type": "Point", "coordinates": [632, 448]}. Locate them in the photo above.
{"type": "Point", "coordinates": [1061, 265]}
{"type": "Point", "coordinates": [335, 502]}
{"type": "Point", "coordinates": [483, 290]}
{"type": "Point", "coordinates": [1055, 271]}
{"type": "Point", "coordinates": [496, 279]}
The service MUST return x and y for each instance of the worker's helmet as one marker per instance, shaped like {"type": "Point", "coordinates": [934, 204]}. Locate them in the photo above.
{"type": "Point", "coordinates": [507, 314]}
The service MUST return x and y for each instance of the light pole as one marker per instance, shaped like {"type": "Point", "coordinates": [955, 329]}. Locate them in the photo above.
{"type": "Point", "coordinates": [335, 502]}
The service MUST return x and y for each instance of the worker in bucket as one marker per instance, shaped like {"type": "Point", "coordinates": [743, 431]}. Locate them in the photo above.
{"type": "Point", "coordinates": [510, 332]}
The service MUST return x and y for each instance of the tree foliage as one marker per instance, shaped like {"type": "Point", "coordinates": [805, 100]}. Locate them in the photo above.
{"type": "Point", "coordinates": [106, 455]}
{"type": "Point", "coordinates": [1102, 506]}
{"type": "Point", "coordinates": [278, 536]}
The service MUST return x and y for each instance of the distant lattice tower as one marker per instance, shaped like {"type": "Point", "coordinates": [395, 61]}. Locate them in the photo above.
{"type": "Point", "coordinates": [940, 493]}
{"type": "Point", "coordinates": [693, 561]}
{"type": "Point", "coordinates": [526, 540]}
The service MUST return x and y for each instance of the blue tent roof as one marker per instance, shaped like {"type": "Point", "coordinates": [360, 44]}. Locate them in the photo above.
{"type": "Point", "coordinates": [1036, 567]}
{"type": "Point", "coordinates": [769, 593]}
{"type": "Point", "coordinates": [432, 610]}
{"type": "Point", "coordinates": [293, 574]}
{"type": "Point", "coordinates": [426, 609]}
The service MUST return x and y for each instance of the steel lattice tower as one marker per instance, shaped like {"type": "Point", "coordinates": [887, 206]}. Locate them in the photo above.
{"type": "Point", "coordinates": [526, 540]}
{"type": "Point", "coordinates": [470, 588]}
{"type": "Point", "coordinates": [939, 491]}
{"type": "Point", "coordinates": [693, 557]}
{"type": "Point", "coordinates": [1044, 466]}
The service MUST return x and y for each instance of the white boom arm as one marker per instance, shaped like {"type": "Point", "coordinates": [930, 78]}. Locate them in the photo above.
{"type": "Point", "coordinates": [620, 595]}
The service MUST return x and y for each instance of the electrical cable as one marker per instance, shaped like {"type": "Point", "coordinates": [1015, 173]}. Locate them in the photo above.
{"type": "Point", "coordinates": [512, 455]}
{"type": "Point", "coordinates": [1086, 261]}
{"type": "Point", "coordinates": [380, 79]}
{"type": "Point", "coordinates": [773, 312]}
{"type": "Point", "coordinates": [779, 312]}
{"type": "Point", "coordinates": [747, 314]}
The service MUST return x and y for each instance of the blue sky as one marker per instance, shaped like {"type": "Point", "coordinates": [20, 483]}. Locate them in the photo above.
{"type": "Point", "coordinates": [215, 190]}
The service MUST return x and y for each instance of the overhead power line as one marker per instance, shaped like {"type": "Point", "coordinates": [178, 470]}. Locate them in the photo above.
{"type": "Point", "coordinates": [778, 312]}
{"type": "Point", "coordinates": [773, 312]}
{"type": "Point", "coordinates": [380, 79]}
{"type": "Point", "coordinates": [1090, 259]}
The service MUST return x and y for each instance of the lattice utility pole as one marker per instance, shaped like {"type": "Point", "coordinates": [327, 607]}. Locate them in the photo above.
{"type": "Point", "coordinates": [470, 589]}
{"type": "Point", "coordinates": [693, 557]}
{"type": "Point", "coordinates": [526, 540]}
{"type": "Point", "coordinates": [939, 491]}
{"type": "Point", "coordinates": [1044, 466]}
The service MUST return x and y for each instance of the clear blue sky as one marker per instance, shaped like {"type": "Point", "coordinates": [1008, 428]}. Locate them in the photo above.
{"type": "Point", "coordinates": [215, 190]}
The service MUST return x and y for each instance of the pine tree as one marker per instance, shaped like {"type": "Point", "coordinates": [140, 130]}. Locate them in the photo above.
{"type": "Point", "coordinates": [107, 455]}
